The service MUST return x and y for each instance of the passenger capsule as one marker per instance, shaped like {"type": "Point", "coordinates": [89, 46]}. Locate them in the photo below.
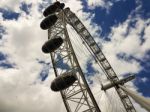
{"type": "Point", "coordinates": [52, 44]}
{"type": "Point", "coordinates": [63, 81]}
{"type": "Point", "coordinates": [56, 7]}
{"type": "Point", "coordinates": [48, 22]}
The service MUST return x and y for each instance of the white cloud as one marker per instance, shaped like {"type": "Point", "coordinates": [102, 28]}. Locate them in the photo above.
{"type": "Point", "coordinates": [22, 43]}
{"type": "Point", "coordinates": [99, 3]}
{"type": "Point", "coordinates": [1, 17]}
{"type": "Point", "coordinates": [144, 79]}
{"type": "Point", "coordinates": [129, 44]}
{"type": "Point", "coordinates": [10, 4]}
{"type": "Point", "coordinates": [15, 5]}
{"type": "Point", "coordinates": [18, 89]}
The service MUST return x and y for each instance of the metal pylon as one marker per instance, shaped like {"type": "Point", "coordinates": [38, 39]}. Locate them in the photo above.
{"type": "Point", "coordinates": [78, 97]}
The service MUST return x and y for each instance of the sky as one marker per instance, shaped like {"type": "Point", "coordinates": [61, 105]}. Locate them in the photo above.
{"type": "Point", "coordinates": [120, 27]}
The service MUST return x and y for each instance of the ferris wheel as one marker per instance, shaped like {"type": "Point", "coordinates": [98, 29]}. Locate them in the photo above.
{"type": "Point", "coordinates": [70, 79]}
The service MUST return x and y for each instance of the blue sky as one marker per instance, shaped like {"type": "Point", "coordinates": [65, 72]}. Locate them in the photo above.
{"type": "Point", "coordinates": [121, 26]}
{"type": "Point", "coordinates": [117, 14]}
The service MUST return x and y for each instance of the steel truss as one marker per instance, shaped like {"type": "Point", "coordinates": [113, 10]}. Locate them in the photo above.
{"type": "Point", "coordinates": [74, 21]}
{"type": "Point", "coordinates": [78, 97]}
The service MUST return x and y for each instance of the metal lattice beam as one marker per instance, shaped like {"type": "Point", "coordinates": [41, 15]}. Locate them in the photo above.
{"type": "Point", "coordinates": [78, 97]}
{"type": "Point", "coordinates": [74, 21]}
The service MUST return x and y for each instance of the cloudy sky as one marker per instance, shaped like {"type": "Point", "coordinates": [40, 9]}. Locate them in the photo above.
{"type": "Point", "coordinates": [120, 27]}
